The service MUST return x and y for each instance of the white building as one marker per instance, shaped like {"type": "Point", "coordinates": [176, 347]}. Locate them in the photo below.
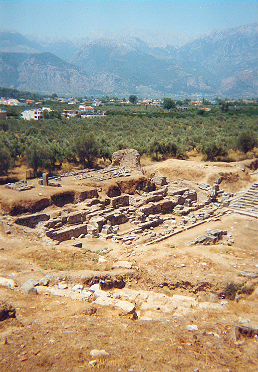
{"type": "Point", "coordinates": [35, 114]}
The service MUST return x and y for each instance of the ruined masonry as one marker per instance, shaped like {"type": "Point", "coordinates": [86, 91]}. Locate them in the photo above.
{"type": "Point", "coordinates": [145, 211]}
{"type": "Point", "coordinates": [247, 203]}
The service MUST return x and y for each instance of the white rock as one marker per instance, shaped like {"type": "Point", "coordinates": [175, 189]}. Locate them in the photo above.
{"type": "Point", "coordinates": [29, 287]}
{"type": "Point", "coordinates": [105, 301]}
{"type": "Point", "coordinates": [180, 298]}
{"type": "Point", "coordinates": [192, 327]}
{"type": "Point", "coordinates": [131, 294]}
{"type": "Point", "coordinates": [62, 285]}
{"type": "Point", "coordinates": [209, 305]}
{"type": "Point", "coordinates": [98, 353]}
{"type": "Point", "coordinates": [44, 281]}
{"type": "Point", "coordinates": [9, 283]}
{"type": "Point", "coordinates": [123, 264]}
{"type": "Point", "coordinates": [223, 303]}
{"type": "Point", "coordinates": [41, 289]}
{"type": "Point", "coordinates": [77, 287]}
{"type": "Point", "coordinates": [58, 292]}
{"type": "Point", "coordinates": [101, 293]}
{"type": "Point", "coordinates": [126, 306]}
{"type": "Point", "coordinates": [95, 287]}
{"type": "Point", "coordinates": [93, 363]}
{"type": "Point", "coordinates": [102, 260]}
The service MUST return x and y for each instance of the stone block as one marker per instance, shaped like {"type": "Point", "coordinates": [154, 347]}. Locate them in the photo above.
{"type": "Point", "coordinates": [172, 191]}
{"type": "Point", "coordinates": [29, 287]}
{"type": "Point", "coordinates": [98, 222]}
{"type": "Point", "coordinates": [9, 283]}
{"type": "Point", "coordinates": [54, 223]}
{"type": "Point", "coordinates": [150, 208]}
{"type": "Point", "coordinates": [165, 206]}
{"type": "Point", "coordinates": [74, 218]}
{"type": "Point", "coordinates": [159, 181]}
{"type": "Point", "coordinates": [153, 223]}
{"type": "Point", "coordinates": [120, 201]}
{"type": "Point", "coordinates": [107, 229]}
{"type": "Point", "coordinates": [44, 179]}
{"type": "Point", "coordinates": [32, 220]}
{"type": "Point", "coordinates": [115, 218]}
{"type": "Point", "coordinates": [67, 233]}
{"type": "Point", "coordinates": [92, 231]}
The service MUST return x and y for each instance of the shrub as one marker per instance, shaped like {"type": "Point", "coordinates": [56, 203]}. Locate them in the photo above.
{"type": "Point", "coordinates": [230, 291]}
{"type": "Point", "coordinates": [212, 150]}
{"type": "Point", "coordinates": [246, 141]}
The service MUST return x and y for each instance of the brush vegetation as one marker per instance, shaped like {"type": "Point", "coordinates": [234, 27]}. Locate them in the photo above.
{"type": "Point", "coordinates": [222, 134]}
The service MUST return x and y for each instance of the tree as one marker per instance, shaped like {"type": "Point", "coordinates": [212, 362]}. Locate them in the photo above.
{"type": "Point", "coordinates": [212, 150]}
{"type": "Point", "coordinates": [168, 103]}
{"type": "Point", "coordinates": [5, 159]}
{"type": "Point", "coordinates": [34, 155]}
{"type": "Point", "coordinates": [45, 114]}
{"type": "Point", "coordinates": [87, 149]}
{"type": "Point", "coordinates": [53, 96]}
{"type": "Point", "coordinates": [246, 141]}
{"type": "Point", "coordinates": [225, 106]}
{"type": "Point", "coordinates": [54, 114]}
{"type": "Point", "coordinates": [133, 99]}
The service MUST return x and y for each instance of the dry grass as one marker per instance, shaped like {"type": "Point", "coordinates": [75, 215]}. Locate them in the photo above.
{"type": "Point", "coordinates": [66, 259]}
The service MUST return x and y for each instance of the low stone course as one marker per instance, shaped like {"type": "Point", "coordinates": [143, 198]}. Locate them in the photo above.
{"type": "Point", "coordinates": [32, 220]}
{"type": "Point", "coordinates": [67, 233]}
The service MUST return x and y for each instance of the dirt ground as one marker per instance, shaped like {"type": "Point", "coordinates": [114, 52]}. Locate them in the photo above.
{"type": "Point", "coordinates": [52, 333]}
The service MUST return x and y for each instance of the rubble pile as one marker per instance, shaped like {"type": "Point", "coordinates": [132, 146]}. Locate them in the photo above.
{"type": "Point", "coordinates": [19, 186]}
{"type": "Point", "coordinates": [211, 237]}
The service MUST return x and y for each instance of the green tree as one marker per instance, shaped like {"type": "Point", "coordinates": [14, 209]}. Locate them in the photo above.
{"type": "Point", "coordinates": [5, 159]}
{"type": "Point", "coordinates": [212, 150]}
{"type": "Point", "coordinates": [54, 114]}
{"type": "Point", "coordinates": [87, 149]}
{"type": "Point", "coordinates": [246, 141]}
{"type": "Point", "coordinates": [133, 99]}
{"type": "Point", "coordinates": [45, 114]}
{"type": "Point", "coordinates": [34, 155]}
{"type": "Point", "coordinates": [168, 103]}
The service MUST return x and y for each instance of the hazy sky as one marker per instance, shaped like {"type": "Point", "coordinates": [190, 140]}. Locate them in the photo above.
{"type": "Point", "coordinates": [60, 18]}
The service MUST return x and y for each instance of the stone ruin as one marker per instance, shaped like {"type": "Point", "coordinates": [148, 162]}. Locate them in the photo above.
{"type": "Point", "coordinates": [128, 158]}
{"type": "Point", "coordinates": [98, 218]}
{"type": "Point", "coordinates": [172, 206]}
{"type": "Point", "coordinates": [19, 186]}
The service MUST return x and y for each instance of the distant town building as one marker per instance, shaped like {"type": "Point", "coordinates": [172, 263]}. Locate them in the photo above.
{"type": "Point", "coordinates": [35, 114]}
{"type": "Point", "coordinates": [86, 108]}
{"type": "Point", "coordinates": [70, 113]}
{"type": "Point", "coordinates": [9, 101]}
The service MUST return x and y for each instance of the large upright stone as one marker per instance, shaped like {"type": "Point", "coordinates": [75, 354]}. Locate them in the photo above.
{"type": "Point", "coordinates": [128, 158]}
{"type": "Point", "coordinates": [45, 179]}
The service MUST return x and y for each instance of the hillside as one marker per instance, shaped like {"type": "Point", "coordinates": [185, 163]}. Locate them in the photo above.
{"type": "Point", "coordinates": [220, 62]}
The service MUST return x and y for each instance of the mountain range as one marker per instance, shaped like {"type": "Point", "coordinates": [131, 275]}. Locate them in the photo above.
{"type": "Point", "coordinates": [143, 62]}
